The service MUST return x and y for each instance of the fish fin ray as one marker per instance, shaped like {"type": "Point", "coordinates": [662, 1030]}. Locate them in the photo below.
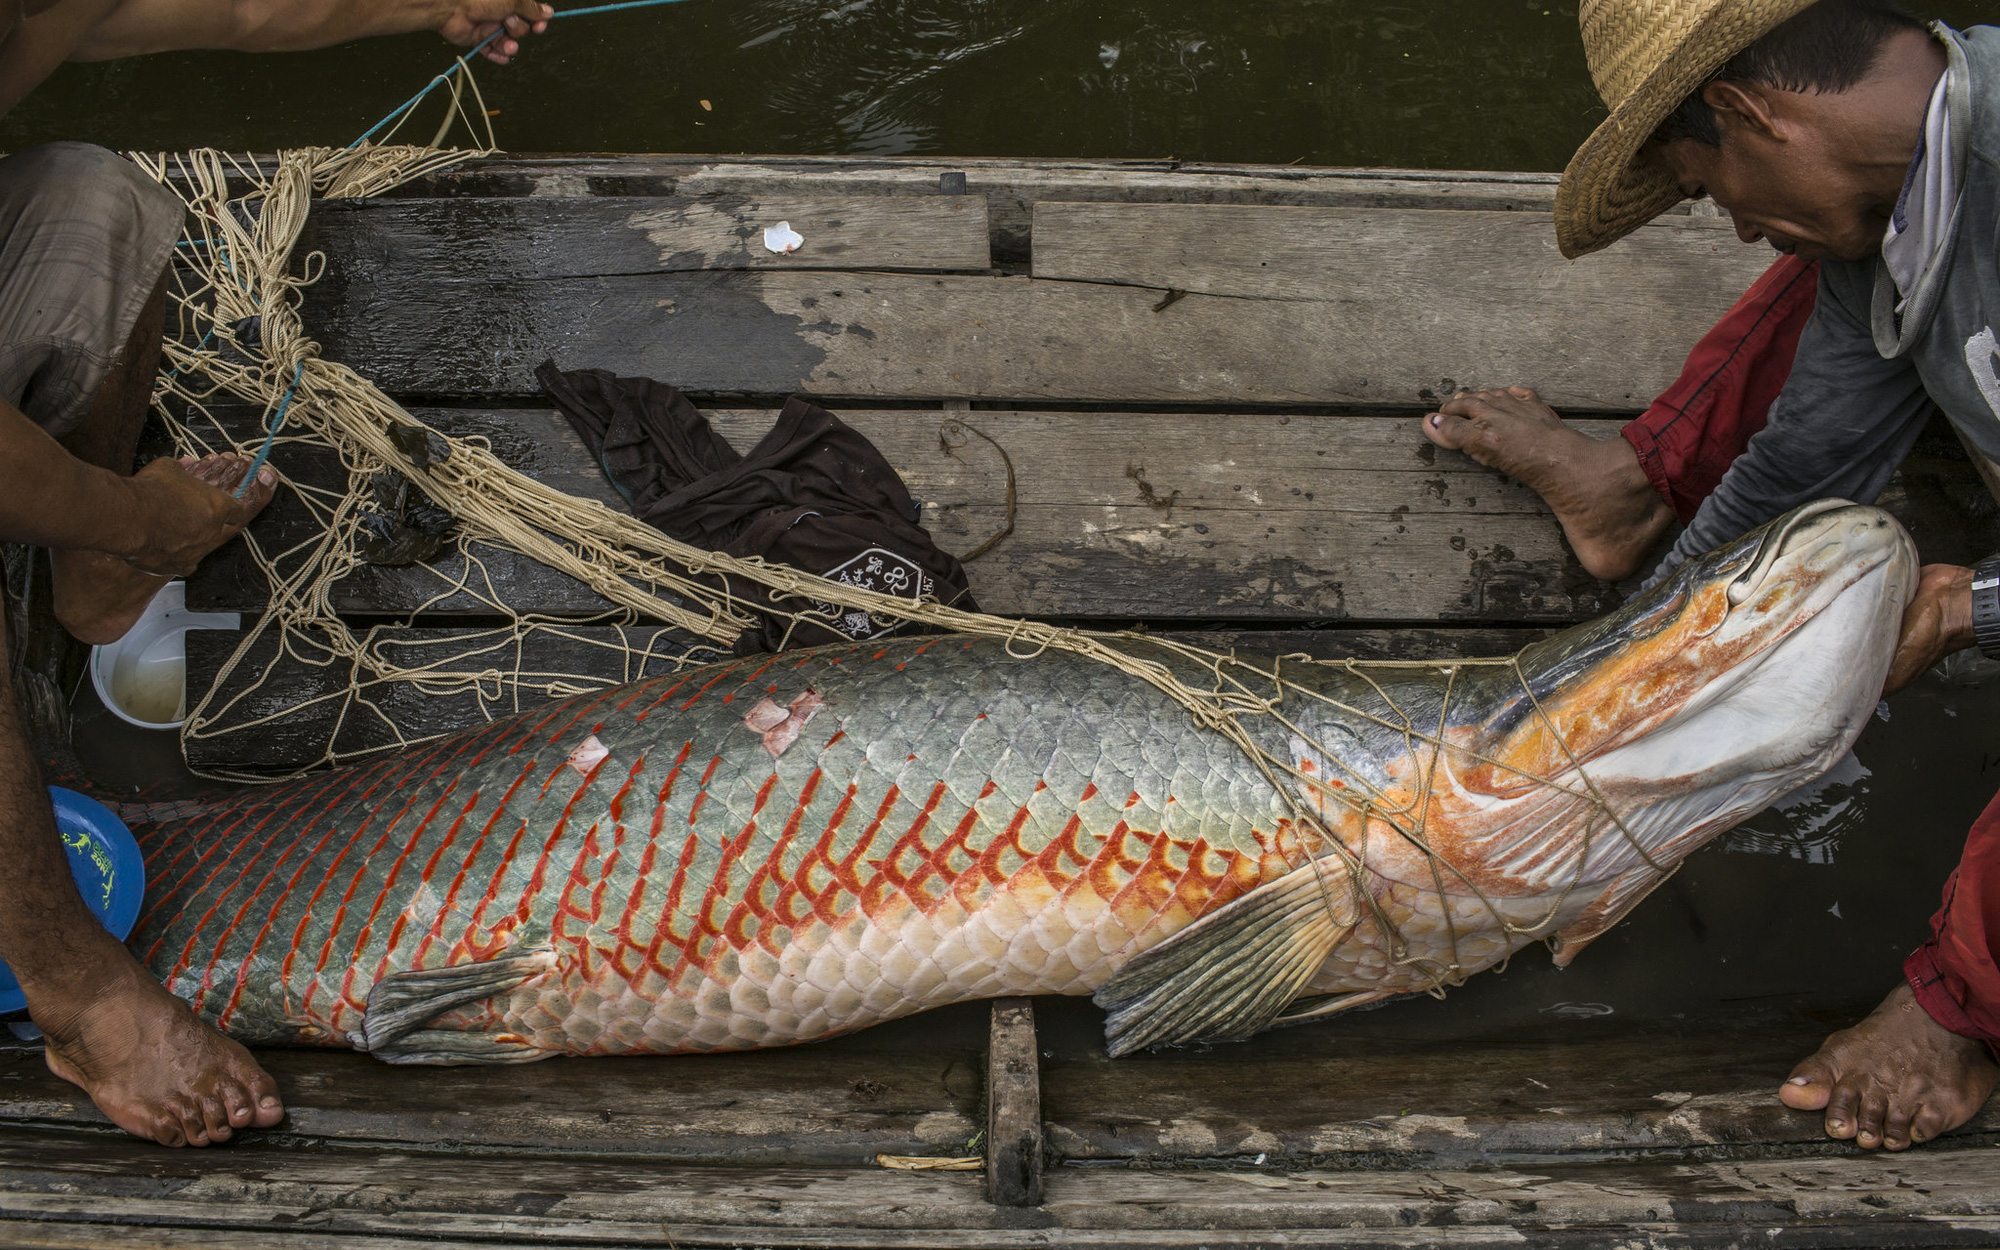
{"type": "Point", "coordinates": [1228, 975]}
{"type": "Point", "coordinates": [450, 1046]}
{"type": "Point", "coordinates": [1625, 892]}
{"type": "Point", "coordinates": [404, 1002]}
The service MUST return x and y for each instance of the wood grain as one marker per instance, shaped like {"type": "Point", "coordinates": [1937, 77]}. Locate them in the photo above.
{"type": "Point", "coordinates": [1013, 1107]}
{"type": "Point", "coordinates": [439, 331]}
{"type": "Point", "coordinates": [1011, 188]}
{"type": "Point", "coordinates": [1484, 297]}
{"type": "Point", "coordinates": [1940, 1198]}
{"type": "Point", "coordinates": [1120, 515]}
{"type": "Point", "coordinates": [561, 237]}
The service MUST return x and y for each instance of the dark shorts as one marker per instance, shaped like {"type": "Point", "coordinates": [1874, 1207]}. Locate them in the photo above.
{"type": "Point", "coordinates": [84, 237]}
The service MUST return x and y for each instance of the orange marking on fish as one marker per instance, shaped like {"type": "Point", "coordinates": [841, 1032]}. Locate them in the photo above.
{"type": "Point", "coordinates": [701, 795]}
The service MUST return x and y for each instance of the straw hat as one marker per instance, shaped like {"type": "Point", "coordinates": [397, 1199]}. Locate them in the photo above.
{"type": "Point", "coordinates": [1646, 56]}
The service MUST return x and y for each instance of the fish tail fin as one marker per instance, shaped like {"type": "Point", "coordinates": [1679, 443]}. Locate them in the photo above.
{"type": "Point", "coordinates": [399, 1006]}
{"type": "Point", "coordinates": [1228, 975]}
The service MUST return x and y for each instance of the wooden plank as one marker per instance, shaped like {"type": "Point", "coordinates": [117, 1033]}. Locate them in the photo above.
{"type": "Point", "coordinates": [1240, 517]}
{"type": "Point", "coordinates": [301, 709]}
{"type": "Point", "coordinates": [1120, 515]}
{"type": "Point", "coordinates": [1431, 1104]}
{"type": "Point", "coordinates": [435, 331]}
{"type": "Point", "coordinates": [908, 1088]}
{"type": "Point", "coordinates": [1011, 187]}
{"type": "Point", "coordinates": [1932, 1197]}
{"type": "Point", "coordinates": [1484, 297]}
{"type": "Point", "coordinates": [1013, 1107]}
{"type": "Point", "coordinates": [544, 238]}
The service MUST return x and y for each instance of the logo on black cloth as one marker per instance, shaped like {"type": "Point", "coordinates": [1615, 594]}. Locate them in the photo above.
{"type": "Point", "coordinates": [883, 572]}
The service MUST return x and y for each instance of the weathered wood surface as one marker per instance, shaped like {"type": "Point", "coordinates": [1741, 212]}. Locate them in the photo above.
{"type": "Point", "coordinates": [837, 1104]}
{"type": "Point", "coordinates": [917, 1088]}
{"type": "Point", "coordinates": [446, 330]}
{"type": "Point", "coordinates": [1939, 1198]}
{"type": "Point", "coordinates": [1263, 517]}
{"type": "Point", "coordinates": [301, 710]}
{"type": "Point", "coordinates": [1013, 1106]}
{"type": "Point", "coordinates": [1485, 294]}
{"type": "Point", "coordinates": [1120, 515]}
{"type": "Point", "coordinates": [1010, 187]}
{"type": "Point", "coordinates": [541, 239]}
{"type": "Point", "coordinates": [1435, 1103]}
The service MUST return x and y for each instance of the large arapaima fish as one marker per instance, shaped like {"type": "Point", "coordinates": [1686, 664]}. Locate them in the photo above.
{"type": "Point", "coordinates": [782, 848]}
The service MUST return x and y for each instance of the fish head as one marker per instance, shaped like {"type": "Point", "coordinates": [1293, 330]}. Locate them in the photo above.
{"type": "Point", "coordinates": [1739, 676]}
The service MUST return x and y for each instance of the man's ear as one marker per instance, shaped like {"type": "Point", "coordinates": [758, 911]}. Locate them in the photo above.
{"type": "Point", "coordinates": [1746, 108]}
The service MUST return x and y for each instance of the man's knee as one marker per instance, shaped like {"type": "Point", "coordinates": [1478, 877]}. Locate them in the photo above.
{"type": "Point", "coordinates": [84, 238]}
{"type": "Point", "coordinates": [60, 182]}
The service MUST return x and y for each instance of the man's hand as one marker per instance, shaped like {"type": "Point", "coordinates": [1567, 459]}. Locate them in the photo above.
{"type": "Point", "coordinates": [473, 20]}
{"type": "Point", "coordinates": [1937, 623]}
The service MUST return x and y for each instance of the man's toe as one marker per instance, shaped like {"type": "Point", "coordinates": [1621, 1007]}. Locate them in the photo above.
{"type": "Point", "coordinates": [1874, 1112]}
{"type": "Point", "coordinates": [1447, 430]}
{"type": "Point", "coordinates": [1809, 1088]}
{"type": "Point", "coordinates": [214, 1117]}
{"type": "Point", "coordinates": [1842, 1108]}
{"type": "Point", "coordinates": [1896, 1127]}
{"type": "Point", "coordinates": [268, 1108]}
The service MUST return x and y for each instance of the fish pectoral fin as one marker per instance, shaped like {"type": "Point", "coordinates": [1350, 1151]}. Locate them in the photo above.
{"type": "Point", "coordinates": [449, 1046]}
{"type": "Point", "coordinates": [1625, 892]}
{"type": "Point", "coordinates": [401, 1004]}
{"type": "Point", "coordinates": [1228, 975]}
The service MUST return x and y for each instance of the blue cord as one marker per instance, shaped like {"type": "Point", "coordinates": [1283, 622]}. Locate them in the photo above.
{"type": "Point", "coordinates": [461, 62]}
{"type": "Point", "coordinates": [277, 423]}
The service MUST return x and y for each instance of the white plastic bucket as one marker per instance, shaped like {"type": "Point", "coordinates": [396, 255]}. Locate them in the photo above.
{"type": "Point", "coordinates": [142, 677]}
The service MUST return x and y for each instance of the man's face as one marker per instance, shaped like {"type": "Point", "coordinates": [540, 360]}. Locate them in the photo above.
{"type": "Point", "coordinates": [1787, 194]}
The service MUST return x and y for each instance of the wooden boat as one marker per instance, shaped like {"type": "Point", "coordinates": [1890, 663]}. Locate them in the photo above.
{"type": "Point", "coordinates": [1206, 379]}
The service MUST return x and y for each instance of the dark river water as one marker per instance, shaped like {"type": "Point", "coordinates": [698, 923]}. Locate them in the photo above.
{"type": "Point", "coordinates": [1449, 84]}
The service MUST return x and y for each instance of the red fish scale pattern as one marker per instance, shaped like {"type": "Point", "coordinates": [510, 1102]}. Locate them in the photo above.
{"type": "Point", "coordinates": [953, 823]}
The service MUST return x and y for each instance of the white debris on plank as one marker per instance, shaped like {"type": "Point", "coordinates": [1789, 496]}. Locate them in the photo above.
{"type": "Point", "coordinates": [782, 239]}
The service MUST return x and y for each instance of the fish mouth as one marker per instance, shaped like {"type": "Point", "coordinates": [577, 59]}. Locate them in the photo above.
{"type": "Point", "coordinates": [1813, 523]}
{"type": "Point", "coordinates": [1830, 540]}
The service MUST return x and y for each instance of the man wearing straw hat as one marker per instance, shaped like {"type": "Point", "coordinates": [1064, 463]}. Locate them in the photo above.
{"type": "Point", "coordinates": [1864, 145]}
{"type": "Point", "coordinates": [84, 244]}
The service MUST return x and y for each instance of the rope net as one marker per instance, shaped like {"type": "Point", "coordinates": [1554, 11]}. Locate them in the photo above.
{"type": "Point", "coordinates": [240, 339]}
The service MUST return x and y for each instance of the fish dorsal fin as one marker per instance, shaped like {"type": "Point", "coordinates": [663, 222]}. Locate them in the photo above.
{"type": "Point", "coordinates": [1229, 974]}
{"type": "Point", "coordinates": [1625, 892]}
{"type": "Point", "coordinates": [403, 1003]}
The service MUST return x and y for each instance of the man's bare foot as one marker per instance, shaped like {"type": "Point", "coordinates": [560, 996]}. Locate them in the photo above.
{"type": "Point", "coordinates": [1896, 1079]}
{"type": "Point", "coordinates": [148, 1063]}
{"type": "Point", "coordinates": [1607, 506]}
{"type": "Point", "coordinates": [99, 596]}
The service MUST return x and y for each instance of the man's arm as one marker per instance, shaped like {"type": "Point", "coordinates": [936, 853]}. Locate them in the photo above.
{"type": "Point", "coordinates": [1844, 422]}
{"type": "Point", "coordinates": [135, 27]}
{"type": "Point", "coordinates": [163, 519]}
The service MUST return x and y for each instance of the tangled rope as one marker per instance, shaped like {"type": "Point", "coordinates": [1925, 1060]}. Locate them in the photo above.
{"type": "Point", "coordinates": [241, 337]}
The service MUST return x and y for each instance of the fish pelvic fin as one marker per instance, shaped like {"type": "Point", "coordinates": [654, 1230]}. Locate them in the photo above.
{"type": "Point", "coordinates": [1228, 975]}
{"type": "Point", "coordinates": [400, 1005]}
{"type": "Point", "coordinates": [1625, 892]}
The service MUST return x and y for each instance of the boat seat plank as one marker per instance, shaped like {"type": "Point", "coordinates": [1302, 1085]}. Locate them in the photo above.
{"type": "Point", "coordinates": [1485, 294]}
{"type": "Point", "coordinates": [1119, 515]}
{"type": "Point", "coordinates": [305, 703]}
{"type": "Point", "coordinates": [445, 331]}
{"type": "Point", "coordinates": [547, 238]}
{"type": "Point", "coordinates": [910, 1088]}
{"type": "Point", "coordinates": [1836, 1201]}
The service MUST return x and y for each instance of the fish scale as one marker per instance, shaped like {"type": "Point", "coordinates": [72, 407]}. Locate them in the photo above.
{"type": "Point", "coordinates": [954, 823]}
{"type": "Point", "coordinates": [782, 848]}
